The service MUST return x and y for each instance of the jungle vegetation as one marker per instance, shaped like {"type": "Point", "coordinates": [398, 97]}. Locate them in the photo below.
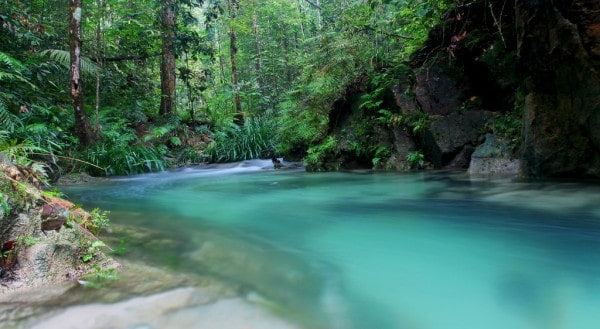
{"type": "Point", "coordinates": [119, 87]}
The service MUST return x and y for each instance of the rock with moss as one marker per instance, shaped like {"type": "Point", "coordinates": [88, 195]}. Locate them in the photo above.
{"type": "Point", "coordinates": [42, 238]}
{"type": "Point", "coordinates": [494, 158]}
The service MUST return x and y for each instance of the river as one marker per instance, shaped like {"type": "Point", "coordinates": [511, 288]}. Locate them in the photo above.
{"type": "Point", "coordinates": [430, 250]}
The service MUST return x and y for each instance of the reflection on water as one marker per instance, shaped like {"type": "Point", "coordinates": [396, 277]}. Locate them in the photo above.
{"type": "Point", "coordinates": [353, 251]}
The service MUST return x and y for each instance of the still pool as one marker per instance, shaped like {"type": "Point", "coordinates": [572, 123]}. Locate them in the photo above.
{"type": "Point", "coordinates": [371, 250]}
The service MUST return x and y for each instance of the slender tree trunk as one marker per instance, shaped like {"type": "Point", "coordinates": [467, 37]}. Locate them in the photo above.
{"type": "Point", "coordinates": [258, 60]}
{"type": "Point", "coordinates": [167, 65]}
{"type": "Point", "coordinates": [222, 75]}
{"type": "Point", "coordinates": [99, 56]}
{"type": "Point", "coordinates": [83, 129]}
{"type": "Point", "coordinates": [319, 15]}
{"type": "Point", "coordinates": [258, 63]}
{"type": "Point", "coordinates": [301, 15]}
{"type": "Point", "coordinates": [239, 119]}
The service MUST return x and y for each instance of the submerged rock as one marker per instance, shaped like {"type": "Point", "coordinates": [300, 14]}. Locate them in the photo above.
{"type": "Point", "coordinates": [179, 308]}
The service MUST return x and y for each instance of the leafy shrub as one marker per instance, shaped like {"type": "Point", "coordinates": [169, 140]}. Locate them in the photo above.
{"type": "Point", "coordinates": [91, 250]}
{"type": "Point", "coordinates": [419, 122]}
{"type": "Point", "coordinates": [315, 159]}
{"type": "Point", "coordinates": [117, 159]}
{"type": "Point", "coordinates": [390, 119]}
{"type": "Point", "coordinates": [508, 126]}
{"type": "Point", "coordinates": [382, 153]}
{"type": "Point", "coordinates": [117, 153]}
{"type": "Point", "coordinates": [416, 159]}
{"type": "Point", "coordinates": [98, 220]}
{"type": "Point", "coordinates": [255, 139]}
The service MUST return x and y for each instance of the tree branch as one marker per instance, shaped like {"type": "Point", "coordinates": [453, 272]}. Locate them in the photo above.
{"type": "Point", "coordinates": [314, 4]}
{"type": "Point", "coordinates": [129, 58]}
{"type": "Point", "coordinates": [388, 34]}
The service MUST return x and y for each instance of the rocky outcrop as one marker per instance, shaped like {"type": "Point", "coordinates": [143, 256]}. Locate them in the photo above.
{"type": "Point", "coordinates": [454, 137]}
{"type": "Point", "coordinates": [528, 72]}
{"type": "Point", "coordinates": [455, 122]}
{"type": "Point", "coordinates": [42, 242]}
{"type": "Point", "coordinates": [559, 56]}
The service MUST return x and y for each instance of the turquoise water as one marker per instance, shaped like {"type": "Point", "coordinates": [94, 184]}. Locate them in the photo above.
{"type": "Point", "coordinates": [386, 251]}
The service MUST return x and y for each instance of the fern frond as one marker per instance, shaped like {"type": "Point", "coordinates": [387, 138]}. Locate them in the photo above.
{"type": "Point", "coordinates": [8, 120]}
{"type": "Point", "coordinates": [11, 62]}
{"type": "Point", "coordinates": [63, 58]}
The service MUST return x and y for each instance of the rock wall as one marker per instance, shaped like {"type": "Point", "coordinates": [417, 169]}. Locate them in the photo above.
{"type": "Point", "coordinates": [527, 71]}
{"type": "Point", "coordinates": [559, 56]}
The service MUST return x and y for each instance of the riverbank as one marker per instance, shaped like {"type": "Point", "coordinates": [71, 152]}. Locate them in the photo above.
{"type": "Point", "coordinates": [143, 297]}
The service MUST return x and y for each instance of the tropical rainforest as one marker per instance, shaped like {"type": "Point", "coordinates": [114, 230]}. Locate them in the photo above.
{"type": "Point", "coordinates": [125, 87]}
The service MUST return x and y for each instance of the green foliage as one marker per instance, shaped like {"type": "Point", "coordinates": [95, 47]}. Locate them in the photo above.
{"type": "Point", "coordinates": [390, 119]}
{"type": "Point", "coordinates": [47, 127]}
{"type": "Point", "coordinates": [297, 129]}
{"type": "Point", "coordinates": [397, 28]}
{"type": "Point", "coordinates": [62, 57]}
{"type": "Point", "coordinates": [98, 221]}
{"type": "Point", "coordinates": [117, 157]}
{"type": "Point", "coordinates": [12, 69]}
{"type": "Point", "coordinates": [334, 62]}
{"type": "Point", "coordinates": [98, 277]}
{"type": "Point", "coordinates": [415, 159]}
{"type": "Point", "coordinates": [18, 152]}
{"type": "Point", "coordinates": [382, 153]}
{"type": "Point", "coordinates": [121, 249]}
{"type": "Point", "coordinates": [317, 154]}
{"type": "Point", "coordinates": [4, 205]}
{"type": "Point", "coordinates": [28, 240]}
{"type": "Point", "coordinates": [91, 250]}
{"type": "Point", "coordinates": [118, 152]}
{"type": "Point", "coordinates": [294, 62]}
{"type": "Point", "coordinates": [255, 139]}
{"type": "Point", "coordinates": [508, 126]}
{"type": "Point", "coordinates": [419, 122]}
{"type": "Point", "coordinates": [7, 120]}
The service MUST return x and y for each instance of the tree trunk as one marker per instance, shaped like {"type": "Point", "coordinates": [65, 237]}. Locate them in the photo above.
{"type": "Point", "coordinates": [83, 129]}
{"type": "Point", "coordinates": [239, 118]}
{"type": "Point", "coordinates": [167, 66]}
{"type": "Point", "coordinates": [258, 63]}
{"type": "Point", "coordinates": [101, 5]}
{"type": "Point", "coordinates": [257, 43]}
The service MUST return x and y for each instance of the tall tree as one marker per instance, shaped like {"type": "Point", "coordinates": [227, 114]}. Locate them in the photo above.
{"type": "Point", "coordinates": [168, 20]}
{"type": "Point", "coordinates": [233, 50]}
{"type": "Point", "coordinates": [83, 128]}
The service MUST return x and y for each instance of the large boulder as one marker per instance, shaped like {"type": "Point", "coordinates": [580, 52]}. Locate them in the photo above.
{"type": "Point", "coordinates": [455, 136]}
{"type": "Point", "coordinates": [494, 158]}
{"type": "Point", "coordinates": [437, 92]}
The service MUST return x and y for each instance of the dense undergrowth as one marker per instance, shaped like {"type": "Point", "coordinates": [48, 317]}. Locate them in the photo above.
{"type": "Point", "coordinates": [294, 62]}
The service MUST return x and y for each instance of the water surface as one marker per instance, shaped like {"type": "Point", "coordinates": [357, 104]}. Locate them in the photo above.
{"type": "Point", "coordinates": [357, 250]}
